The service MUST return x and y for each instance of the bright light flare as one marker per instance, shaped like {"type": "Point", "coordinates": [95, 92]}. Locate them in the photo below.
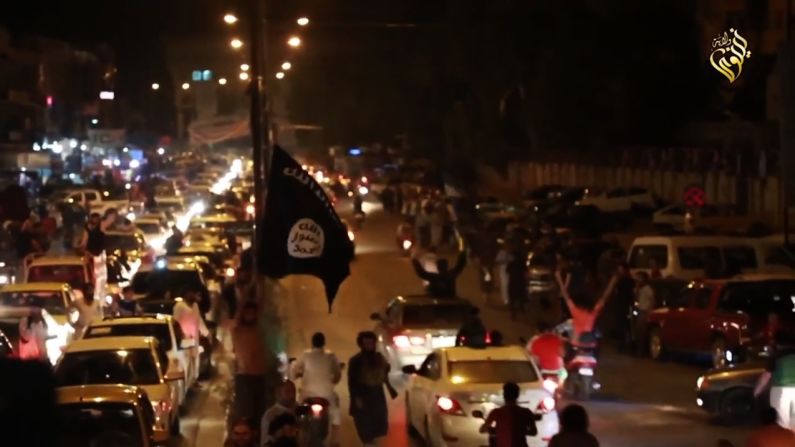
{"type": "Point", "coordinates": [160, 151]}
{"type": "Point", "coordinates": [185, 86]}
{"type": "Point", "coordinates": [222, 81]}
{"type": "Point", "coordinates": [294, 41]}
{"type": "Point", "coordinates": [286, 66]}
{"type": "Point", "coordinates": [280, 75]}
{"type": "Point", "coordinates": [236, 43]}
{"type": "Point", "coordinates": [243, 76]}
{"type": "Point", "coordinates": [230, 19]}
{"type": "Point", "coordinates": [244, 67]}
{"type": "Point", "coordinates": [155, 86]}
{"type": "Point", "coordinates": [302, 21]}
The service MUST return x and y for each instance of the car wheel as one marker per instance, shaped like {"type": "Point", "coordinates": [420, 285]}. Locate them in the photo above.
{"type": "Point", "coordinates": [719, 352]}
{"type": "Point", "coordinates": [655, 344]}
{"type": "Point", "coordinates": [736, 404]}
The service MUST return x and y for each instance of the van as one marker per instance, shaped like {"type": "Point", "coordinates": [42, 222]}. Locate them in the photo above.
{"type": "Point", "coordinates": [687, 257]}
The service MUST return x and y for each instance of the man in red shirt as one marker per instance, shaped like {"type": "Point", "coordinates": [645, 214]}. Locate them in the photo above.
{"type": "Point", "coordinates": [511, 422]}
{"type": "Point", "coordinates": [547, 348]}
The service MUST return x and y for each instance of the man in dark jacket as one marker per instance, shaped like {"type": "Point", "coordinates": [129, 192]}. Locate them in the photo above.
{"type": "Point", "coordinates": [441, 284]}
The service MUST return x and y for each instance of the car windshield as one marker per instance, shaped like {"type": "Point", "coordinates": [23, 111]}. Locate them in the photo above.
{"type": "Point", "coordinates": [452, 315]}
{"type": "Point", "coordinates": [760, 298]}
{"type": "Point", "coordinates": [74, 275]}
{"type": "Point", "coordinates": [149, 228]}
{"type": "Point", "coordinates": [53, 302]}
{"type": "Point", "coordinates": [490, 371]}
{"type": "Point", "coordinates": [158, 282]}
{"type": "Point", "coordinates": [122, 242]}
{"type": "Point", "coordinates": [99, 424]}
{"type": "Point", "coordinates": [159, 331]}
{"type": "Point", "coordinates": [129, 367]}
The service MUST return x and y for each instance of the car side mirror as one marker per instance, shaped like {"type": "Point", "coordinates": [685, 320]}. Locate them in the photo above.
{"type": "Point", "coordinates": [409, 369]}
{"type": "Point", "coordinates": [375, 316]}
{"type": "Point", "coordinates": [477, 414]}
{"type": "Point", "coordinates": [174, 375]}
{"type": "Point", "coordinates": [187, 343]}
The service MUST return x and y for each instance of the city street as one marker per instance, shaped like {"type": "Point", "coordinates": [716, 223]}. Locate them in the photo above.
{"type": "Point", "coordinates": [642, 402]}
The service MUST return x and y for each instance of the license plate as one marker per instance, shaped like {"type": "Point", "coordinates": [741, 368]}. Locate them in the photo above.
{"type": "Point", "coordinates": [586, 371]}
{"type": "Point", "coordinates": [443, 342]}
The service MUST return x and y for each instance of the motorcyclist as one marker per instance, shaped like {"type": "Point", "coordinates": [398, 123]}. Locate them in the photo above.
{"type": "Point", "coordinates": [583, 312]}
{"type": "Point", "coordinates": [405, 232]}
{"type": "Point", "coordinates": [319, 371]}
{"type": "Point", "coordinates": [548, 348]}
{"type": "Point", "coordinates": [441, 284]}
{"type": "Point", "coordinates": [512, 423]}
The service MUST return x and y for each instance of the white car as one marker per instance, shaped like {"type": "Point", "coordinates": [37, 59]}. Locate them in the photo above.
{"type": "Point", "coordinates": [621, 199]}
{"type": "Point", "coordinates": [59, 312]}
{"type": "Point", "coordinates": [453, 383]}
{"type": "Point", "coordinates": [137, 361]}
{"type": "Point", "coordinates": [183, 354]}
{"type": "Point", "coordinates": [83, 275]}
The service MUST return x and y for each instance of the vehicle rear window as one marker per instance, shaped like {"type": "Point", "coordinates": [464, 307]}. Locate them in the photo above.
{"type": "Point", "coordinates": [699, 258]}
{"type": "Point", "coordinates": [491, 371]}
{"type": "Point", "coordinates": [159, 331]}
{"type": "Point", "coordinates": [53, 302]}
{"type": "Point", "coordinates": [742, 257]}
{"type": "Point", "coordinates": [98, 423]}
{"type": "Point", "coordinates": [74, 275]}
{"type": "Point", "coordinates": [760, 298]}
{"type": "Point", "coordinates": [435, 315]}
{"type": "Point", "coordinates": [129, 367]}
{"type": "Point", "coordinates": [643, 256]}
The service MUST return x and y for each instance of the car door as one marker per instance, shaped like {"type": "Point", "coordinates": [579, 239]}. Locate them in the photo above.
{"type": "Point", "coordinates": [189, 355]}
{"type": "Point", "coordinates": [422, 393]}
{"type": "Point", "coordinates": [687, 324]}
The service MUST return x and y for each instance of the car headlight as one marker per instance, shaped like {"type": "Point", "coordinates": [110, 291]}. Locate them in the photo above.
{"type": "Point", "coordinates": [699, 382]}
{"type": "Point", "coordinates": [4, 279]}
{"type": "Point", "coordinates": [351, 236]}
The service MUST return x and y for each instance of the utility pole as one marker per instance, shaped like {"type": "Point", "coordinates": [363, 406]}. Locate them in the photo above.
{"type": "Point", "coordinates": [785, 120]}
{"type": "Point", "coordinates": [260, 140]}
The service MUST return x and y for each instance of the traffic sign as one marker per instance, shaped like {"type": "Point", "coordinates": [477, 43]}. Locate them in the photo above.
{"type": "Point", "coordinates": [695, 197]}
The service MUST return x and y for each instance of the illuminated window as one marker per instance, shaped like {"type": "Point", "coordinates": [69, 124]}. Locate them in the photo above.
{"type": "Point", "coordinates": [197, 75]}
{"type": "Point", "coordinates": [207, 75]}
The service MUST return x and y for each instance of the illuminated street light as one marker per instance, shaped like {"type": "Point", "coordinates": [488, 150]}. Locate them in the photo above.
{"type": "Point", "coordinates": [286, 66]}
{"type": "Point", "coordinates": [155, 86]}
{"type": "Point", "coordinates": [236, 43]}
{"type": "Point", "coordinates": [243, 76]}
{"type": "Point", "coordinates": [222, 81]}
{"type": "Point", "coordinates": [161, 151]}
{"type": "Point", "coordinates": [280, 75]}
{"type": "Point", "coordinates": [302, 21]}
{"type": "Point", "coordinates": [244, 67]}
{"type": "Point", "coordinates": [294, 41]}
{"type": "Point", "coordinates": [230, 19]}
{"type": "Point", "coordinates": [185, 86]}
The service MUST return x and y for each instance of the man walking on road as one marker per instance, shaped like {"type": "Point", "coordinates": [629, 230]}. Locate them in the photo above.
{"type": "Point", "coordinates": [367, 375]}
{"type": "Point", "coordinates": [250, 364]}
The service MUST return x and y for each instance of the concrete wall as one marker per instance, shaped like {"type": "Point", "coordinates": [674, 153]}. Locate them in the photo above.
{"type": "Point", "coordinates": [761, 196]}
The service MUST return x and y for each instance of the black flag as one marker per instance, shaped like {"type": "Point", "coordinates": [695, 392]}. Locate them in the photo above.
{"type": "Point", "coordinates": [301, 232]}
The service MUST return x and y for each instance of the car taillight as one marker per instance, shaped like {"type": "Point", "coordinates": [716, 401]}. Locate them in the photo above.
{"type": "Point", "coordinates": [404, 341]}
{"type": "Point", "coordinates": [546, 405]}
{"type": "Point", "coordinates": [317, 409]}
{"type": "Point", "coordinates": [449, 405]}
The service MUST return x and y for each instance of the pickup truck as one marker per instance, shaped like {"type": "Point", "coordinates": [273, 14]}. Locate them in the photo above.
{"type": "Point", "coordinates": [95, 201]}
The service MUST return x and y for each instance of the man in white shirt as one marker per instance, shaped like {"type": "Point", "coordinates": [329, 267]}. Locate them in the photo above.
{"type": "Point", "coordinates": [89, 310]}
{"type": "Point", "coordinates": [645, 303]}
{"type": "Point", "coordinates": [187, 313]}
{"type": "Point", "coordinates": [319, 371]}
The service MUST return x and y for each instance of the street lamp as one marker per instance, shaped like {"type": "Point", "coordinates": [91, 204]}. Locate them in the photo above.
{"type": "Point", "coordinates": [222, 81]}
{"type": "Point", "coordinates": [244, 67]}
{"type": "Point", "coordinates": [155, 86]}
{"type": "Point", "coordinates": [302, 21]}
{"type": "Point", "coordinates": [236, 43]}
{"type": "Point", "coordinates": [230, 18]}
{"type": "Point", "coordinates": [280, 75]}
{"type": "Point", "coordinates": [294, 41]}
{"type": "Point", "coordinates": [185, 86]}
{"type": "Point", "coordinates": [243, 76]}
{"type": "Point", "coordinates": [286, 66]}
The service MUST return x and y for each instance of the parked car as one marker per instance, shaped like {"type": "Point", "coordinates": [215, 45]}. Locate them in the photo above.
{"type": "Point", "coordinates": [412, 326]}
{"type": "Point", "coordinates": [710, 219]}
{"type": "Point", "coordinates": [118, 415]}
{"type": "Point", "coordinates": [728, 393]}
{"type": "Point", "coordinates": [728, 320]}
{"type": "Point", "coordinates": [621, 199]}
{"type": "Point", "coordinates": [137, 361]}
{"type": "Point", "coordinates": [183, 354]}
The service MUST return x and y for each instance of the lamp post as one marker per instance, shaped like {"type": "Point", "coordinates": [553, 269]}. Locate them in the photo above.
{"type": "Point", "coordinates": [259, 123]}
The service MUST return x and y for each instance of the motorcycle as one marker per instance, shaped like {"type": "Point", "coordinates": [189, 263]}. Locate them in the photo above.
{"type": "Point", "coordinates": [313, 421]}
{"type": "Point", "coordinates": [581, 361]}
